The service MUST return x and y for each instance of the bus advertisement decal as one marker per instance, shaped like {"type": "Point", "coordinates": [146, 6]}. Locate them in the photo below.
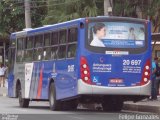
{"type": "Point", "coordinates": [40, 83]}
{"type": "Point", "coordinates": [102, 67]}
{"type": "Point", "coordinates": [28, 76]}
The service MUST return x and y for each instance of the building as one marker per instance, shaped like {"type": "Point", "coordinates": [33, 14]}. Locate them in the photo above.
{"type": "Point", "coordinates": [156, 45]}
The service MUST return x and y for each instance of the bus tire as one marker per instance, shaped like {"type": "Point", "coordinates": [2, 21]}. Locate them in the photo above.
{"type": "Point", "coordinates": [54, 104]}
{"type": "Point", "coordinates": [24, 103]}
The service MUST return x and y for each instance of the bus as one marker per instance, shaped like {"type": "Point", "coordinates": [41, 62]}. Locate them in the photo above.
{"type": "Point", "coordinates": [104, 60]}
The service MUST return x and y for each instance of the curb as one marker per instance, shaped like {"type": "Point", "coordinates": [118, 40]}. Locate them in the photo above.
{"type": "Point", "coordinates": [141, 108]}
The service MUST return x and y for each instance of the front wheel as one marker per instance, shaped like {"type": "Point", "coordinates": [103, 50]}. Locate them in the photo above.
{"type": "Point", "coordinates": [24, 103]}
{"type": "Point", "coordinates": [54, 104]}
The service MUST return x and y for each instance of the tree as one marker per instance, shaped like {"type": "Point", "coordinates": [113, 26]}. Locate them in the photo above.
{"type": "Point", "coordinates": [145, 9]}
{"type": "Point", "coordinates": [12, 18]}
{"type": "Point", "coordinates": [125, 8]}
{"type": "Point", "coordinates": [10, 15]}
{"type": "Point", "coordinates": [63, 10]}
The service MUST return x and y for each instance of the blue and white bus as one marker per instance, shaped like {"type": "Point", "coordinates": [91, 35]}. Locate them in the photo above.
{"type": "Point", "coordinates": [59, 63]}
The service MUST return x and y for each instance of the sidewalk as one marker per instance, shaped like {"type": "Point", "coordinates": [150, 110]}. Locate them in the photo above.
{"type": "Point", "coordinates": [142, 106]}
{"type": "Point", "coordinates": [3, 91]}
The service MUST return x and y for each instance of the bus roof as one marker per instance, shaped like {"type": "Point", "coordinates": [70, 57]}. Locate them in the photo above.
{"type": "Point", "coordinates": [44, 28]}
{"type": "Point", "coordinates": [54, 26]}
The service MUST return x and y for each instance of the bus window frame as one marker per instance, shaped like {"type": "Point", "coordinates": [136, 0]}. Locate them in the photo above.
{"type": "Point", "coordinates": [12, 54]}
{"type": "Point", "coordinates": [72, 42]}
{"type": "Point", "coordinates": [63, 43]}
{"type": "Point", "coordinates": [47, 33]}
{"type": "Point", "coordinates": [42, 37]}
{"type": "Point", "coordinates": [20, 50]}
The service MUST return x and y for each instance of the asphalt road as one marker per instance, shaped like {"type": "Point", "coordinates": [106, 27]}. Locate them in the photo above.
{"type": "Point", "coordinates": [10, 110]}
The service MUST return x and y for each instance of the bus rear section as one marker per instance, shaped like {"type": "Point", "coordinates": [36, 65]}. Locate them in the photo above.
{"type": "Point", "coordinates": [120, 69]}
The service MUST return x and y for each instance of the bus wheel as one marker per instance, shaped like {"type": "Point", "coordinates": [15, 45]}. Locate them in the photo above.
{"type": "Point", "coordinates": [24, 103]}
{"type": "Point", "coordinates": [54, 104]}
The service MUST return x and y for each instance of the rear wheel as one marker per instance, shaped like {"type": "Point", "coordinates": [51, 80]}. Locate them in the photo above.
{"type": "Point", "coordinates": [54, 104]}
{"type": "Point", "coordinates": [24, 103]}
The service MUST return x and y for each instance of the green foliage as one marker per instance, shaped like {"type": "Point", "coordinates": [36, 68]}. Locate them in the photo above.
{"type": "Point", "coordinates": [12, 15]}
{"type": "Point", "coordinates": [149, 9]}
{"type": "Point", "coordinates": [125, 8]}
{"type": "Point", "coordinates": [63, 10]}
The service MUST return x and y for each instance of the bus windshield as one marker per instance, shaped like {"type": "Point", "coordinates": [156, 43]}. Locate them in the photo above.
{"type": "Point", "coordinates": [116, 34]}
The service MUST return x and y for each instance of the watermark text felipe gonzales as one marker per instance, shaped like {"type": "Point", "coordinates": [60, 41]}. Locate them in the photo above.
{"type": "Point", "coordinates": [9, 117]}
{"type": "Point", "coordinates": [139, 117]}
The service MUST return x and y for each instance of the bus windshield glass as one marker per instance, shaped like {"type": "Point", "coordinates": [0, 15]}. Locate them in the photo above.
{"type": "Point", "coordinates": [116, 34]}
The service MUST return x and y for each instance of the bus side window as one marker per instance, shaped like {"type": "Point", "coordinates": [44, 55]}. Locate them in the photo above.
{"type": "Point", "coordinates": [54, 53]}
{"type": "Point", "coordinates": [71, 50]}
{"type": "Point", "coordinates": [62, 36]}
{"type": "Point", "coordinates": [62, 52]}
{"type": "Point", "coordinates": [20, 49]}
{"type": "Point", "coordinates": [38, 54]}
{"type": "Point", "coordinates": [47, 53]}
{"type": "Point", "coordinates": [72, 42]}
{"type": "Point", "coordinates": [11, 58]}
{"type": "Point", "coordinates": [54, 38]}
{"type": "Point", "coordinates": [28, 55]}
{"type": "Point", "coordinates": [73, 35]}
{"type": "Point", "coordinates": [47, 39]}
{"type": "Point", "coordinates": [29, 42]}
{"type": "Point", "coordinates": [38, 41]}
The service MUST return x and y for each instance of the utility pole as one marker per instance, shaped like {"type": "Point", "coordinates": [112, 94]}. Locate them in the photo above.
{"type": "Point", "coordinates": [107, 7]}
{"type": "Point", "coordinates": [27, 13]}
